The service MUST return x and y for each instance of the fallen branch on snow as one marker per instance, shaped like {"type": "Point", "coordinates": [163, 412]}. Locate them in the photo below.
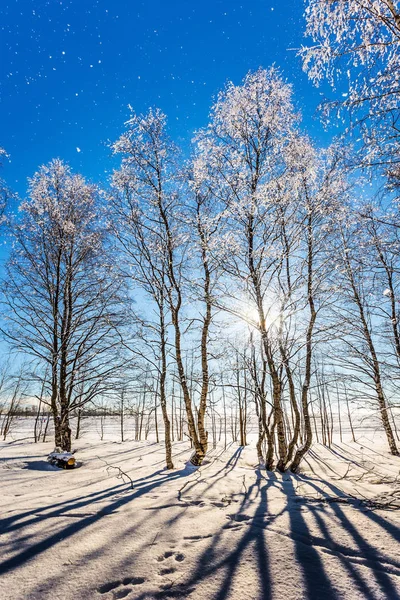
{"type": "Point", "coordinates": [121, 474]}
{"type": "Point", "coordinates": [194, 480]}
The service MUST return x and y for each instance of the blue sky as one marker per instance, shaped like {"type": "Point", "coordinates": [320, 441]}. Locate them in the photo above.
{"type": "Point", "coordinates": [69, 68]}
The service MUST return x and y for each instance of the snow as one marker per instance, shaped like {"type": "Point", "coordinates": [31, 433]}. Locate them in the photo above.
{"type": "Point", "coordinates": [226, 530]}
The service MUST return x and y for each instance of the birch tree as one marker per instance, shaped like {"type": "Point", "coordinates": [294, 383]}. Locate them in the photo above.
{"type": "Point", "coordinates": [359, 319]}
{"type": "Point", "coordinates": [150, 154]}
{"type": "Point", "coordinates": [249, 127]}
{"type": "Point", "coordinates": [61, 294]}
{"type": "Point", "coordinates": [143, 253]}
{"type": "Point", "coordinates": [321, 187]}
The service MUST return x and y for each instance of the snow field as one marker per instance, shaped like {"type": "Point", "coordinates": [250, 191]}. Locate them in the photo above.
{"type": "Point", "coordinates": [224, 531]}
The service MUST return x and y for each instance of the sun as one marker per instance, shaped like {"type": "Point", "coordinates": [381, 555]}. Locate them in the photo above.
{"type": "Point", "coordinates": [271, 315]}
{"type": "Point", "coordinates": [250, 315]}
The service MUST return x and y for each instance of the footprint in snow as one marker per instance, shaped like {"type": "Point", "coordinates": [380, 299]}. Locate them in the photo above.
{"type": "Point", "coordinates": [167, 571]}
{"type": "Point", "coordinates": [239, 518]}
{"type": "Point", "coordinates": [171, 589]}
{"type": "Point", "coordinates": [236, 521]}
{"type": "Point", "coordinates": [179, 557]}
{"type": "Point", "coordinates": [164, 556]}
{"type": "Point", "coordinates": [120, 593]}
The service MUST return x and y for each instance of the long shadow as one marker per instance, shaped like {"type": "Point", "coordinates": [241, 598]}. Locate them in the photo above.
{"type": "Point", "coordinates": [364, 550]}
{"type": "Point", "coordinates": [227, 468]}
{"type": "Point", "coordinates": [229, 465]}
{"type": "Point", "coordinates": [345, 457]}
{"type": "Point", "coordinates": [131, 451]}
{"type": "Point", "coordinates": [320, 460]}
{"type": "Point", "coordinates": [344, 557]}
{"type": "Point", "coordinates": [19, 458]}
{"type": "Point", "coordinates": [225, 563]}
{"type": "Point", "coordinates": [317, 582]}
{"type": "Point", "coordinates": [254, 534]}
{"type": "Point", "coordinates": [12, 523]}
{"type": "Point", "coordinates": [362, 445]}
{"type": "Point", "coordinates": [130, 531]}
{"type": "Point", "coordinates": [70, 530]}
{"type": "Point", "coordinates": [391, 529]}
{"type": "Point", "coordinates": [322, 491]}
{"type": "Point", "coordinates": [210, 561]}
{"type": "Point", "coordinates": [233, 461]}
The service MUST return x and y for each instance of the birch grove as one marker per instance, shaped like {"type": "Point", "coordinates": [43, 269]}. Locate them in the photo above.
{"type": "Point", "coordinates": [245, 283]}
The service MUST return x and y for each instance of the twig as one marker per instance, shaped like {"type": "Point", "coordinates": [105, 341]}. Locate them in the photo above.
{"type": "Point", "coordinates": [194, 480]}
{"type": "Point", "coordinates": [121, 473]}
{"type": "Point", "coordinates": [345, 475]}
{"type": "Point", "coordinates": [244, 485]}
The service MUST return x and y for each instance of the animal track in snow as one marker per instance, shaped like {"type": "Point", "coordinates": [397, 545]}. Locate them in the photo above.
{"type": "Point", "coordinates": [107, 587]}
{"type": "Point", "coordinates": [199, 503]}
{"type": "Point", "coordinates": [133, 580]}
{"type": "Point", "coordinates": [179, 556]}
{"type": "Point", "coordinates": [223, 503]}
{"type": "Point", "coordinates": [236, 521]}
{"type": "Point", "coordinates": [164, 556]}
{"type": "Point", "coordinates": [167, 571]}
{"type": "Point", "coordinates": [120, 593]}
{"type": "Point", "coordinates": [239, 518]}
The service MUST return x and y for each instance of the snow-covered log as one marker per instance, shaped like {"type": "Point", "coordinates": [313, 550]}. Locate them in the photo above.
{"type": "Point", "coordinates": [63, 460]}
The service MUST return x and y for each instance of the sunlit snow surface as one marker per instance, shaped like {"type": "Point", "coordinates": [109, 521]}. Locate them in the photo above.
{"type": "Point", "coordinates": [227, 530]}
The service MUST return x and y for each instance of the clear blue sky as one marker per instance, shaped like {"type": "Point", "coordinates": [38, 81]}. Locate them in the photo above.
{"type": "Point", "coordinates": [69, 68]}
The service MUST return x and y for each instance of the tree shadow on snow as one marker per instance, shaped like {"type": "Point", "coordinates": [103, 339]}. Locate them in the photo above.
{"type": "Point", "coordinates": [141, 487]}
{"type": "Point", "coordinates": [250, 524]}
{"type": "Point", "coordinates": [222, 562]}
{"type": "Point", "coordinates": [379, 565]}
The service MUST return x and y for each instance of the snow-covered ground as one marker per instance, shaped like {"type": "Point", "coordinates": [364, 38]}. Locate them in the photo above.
{"type": "Point", "coordinates": [224, 531]}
